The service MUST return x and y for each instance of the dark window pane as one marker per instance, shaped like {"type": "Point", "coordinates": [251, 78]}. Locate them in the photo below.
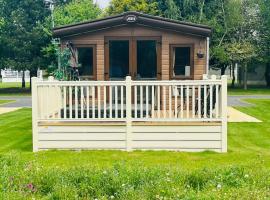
{"type": "Point", "coordinates": [119, 58]}
{"type": "Point", "coordinates": [146, 59]}
{"type": "Point", "coordinates": [85, 59]}
{"type": "Point", "coordinates": [181, 59]}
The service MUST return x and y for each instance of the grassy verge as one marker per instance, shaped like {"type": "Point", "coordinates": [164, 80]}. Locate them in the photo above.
{"type": "Point", "coordinates": [5, 101]}
{"type": "Point", "coordinates": [14, 89]}
{"type": "Point", "coordinates": [242, 173]}
{"type": "Point", "coordinates": [252, 90]}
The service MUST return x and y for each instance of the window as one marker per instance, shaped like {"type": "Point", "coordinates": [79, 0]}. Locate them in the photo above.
{"type": "Point", "coordinates": [86, 62]}
{"type": "Point", "coordinates": [180, 61]}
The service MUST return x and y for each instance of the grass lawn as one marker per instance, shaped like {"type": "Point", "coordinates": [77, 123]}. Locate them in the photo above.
{"type": "Point", "coordinates": [242, 173]}
{"type": "Point", "coordinates": [252, 90]}
{"type": "Point", "coordinates": [5, 101]}
{"type": "Point", "coordinates": [14, 89]}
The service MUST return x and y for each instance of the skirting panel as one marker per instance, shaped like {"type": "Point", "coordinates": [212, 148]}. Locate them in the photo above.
{"type": "Point", "coordinates": [178, 138]}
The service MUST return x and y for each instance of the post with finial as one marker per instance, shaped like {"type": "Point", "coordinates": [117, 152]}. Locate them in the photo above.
{"type": "Point", "coordinates": [128, 114]}
{"type": "Point", "coordinates": [224, 113]}
{"type": "Point", "coordinates": [34, 114]}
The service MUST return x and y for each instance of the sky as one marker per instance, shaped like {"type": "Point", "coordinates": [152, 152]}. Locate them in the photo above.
{"type": "Point", "coordinates": [102, 3]}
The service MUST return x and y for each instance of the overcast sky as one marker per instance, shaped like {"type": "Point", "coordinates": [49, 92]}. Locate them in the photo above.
{"type": "Point", "coordinates": [103, 3]}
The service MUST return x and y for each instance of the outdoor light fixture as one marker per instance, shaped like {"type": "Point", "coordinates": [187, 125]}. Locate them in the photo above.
{"type": "Point", "coordinates": [200, 53]}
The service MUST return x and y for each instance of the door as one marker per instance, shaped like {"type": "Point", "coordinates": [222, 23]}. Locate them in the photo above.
{"type": "Point", "coordinates": [147, 60]}
{"type": "Point", "coordinates": [139, 57]}
{"type": "Point", "coordinates": [118, 64]}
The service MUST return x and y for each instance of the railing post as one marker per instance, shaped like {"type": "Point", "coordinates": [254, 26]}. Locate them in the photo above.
{"type": "Point", "coordinates": [34, 114]}
{"type": "Point", "coordinates": [224, 114]}
{"type": "Point", "coordinates": [128, 114]}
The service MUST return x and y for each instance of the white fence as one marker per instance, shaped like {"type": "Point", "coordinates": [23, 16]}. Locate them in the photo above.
{"type": "Point", "coordinates": [201, 101]}
{"type": "Point", "coordinates": [11, 76]}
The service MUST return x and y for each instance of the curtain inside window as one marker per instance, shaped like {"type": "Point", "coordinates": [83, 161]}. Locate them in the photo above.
{"type": "Point", "coordinates": [173, 61]}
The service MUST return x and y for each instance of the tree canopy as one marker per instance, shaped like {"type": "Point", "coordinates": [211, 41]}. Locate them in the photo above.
{"type": "Point", "coordinates": [22, 33]}
{"type": "Point", "coordinates": [145, 6]}
{"type": "Point", "coordinates": [241, 28]}
{"type": "Point", "coordinates": [76, 11]}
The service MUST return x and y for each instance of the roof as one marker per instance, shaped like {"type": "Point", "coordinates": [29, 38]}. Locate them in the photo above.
{"type": "Point", "coordinates": [130, 18]}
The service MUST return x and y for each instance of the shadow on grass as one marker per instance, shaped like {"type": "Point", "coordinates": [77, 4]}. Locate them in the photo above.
{"type": "Point", "coordinates": [15, 91]}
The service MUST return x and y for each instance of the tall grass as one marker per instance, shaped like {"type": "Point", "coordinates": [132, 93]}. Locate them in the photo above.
{"type": "Point", "coordinates": [29, 179]}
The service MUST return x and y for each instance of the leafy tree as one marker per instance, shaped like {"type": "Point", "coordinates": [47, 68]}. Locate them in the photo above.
{"type": "Point", "coordinates": [76, 11]}
{"type": "Point", "coordinates": [241, 52]}
{"type": "Point", "coordinates": [22, 34]}
{"type": "Point", "coordinates": [168, 9]}
{"type": "Point", "coordinates": [264, 36]}
{"type": "Point", "coordinates": [73, 11]}
{"type": "Point", "coordinates": [145, 6]}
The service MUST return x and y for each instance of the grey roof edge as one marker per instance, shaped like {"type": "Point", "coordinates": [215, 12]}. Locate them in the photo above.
{"type": "Point", "coordinates": [187, 27]}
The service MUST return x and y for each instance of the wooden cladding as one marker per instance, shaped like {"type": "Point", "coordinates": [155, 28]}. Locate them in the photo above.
{"type": "Point", "coordinates": [165, 40]}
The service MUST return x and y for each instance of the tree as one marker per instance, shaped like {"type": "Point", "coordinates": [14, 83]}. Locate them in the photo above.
{"type": "Point", "coordinates": [242, 52]}
{"type": "Point", "coordinates": [264, 35]}
{"type": "Point", "coordinates": [145, 6]}
{"type": "Point", "coordinates": [73, 11]}
{"type": "Point", "coordinates": [168, 9]}
{"type": "Point", "coordinates": [22, 34]}
{"type": "Point", "coordinates": [76, 11]}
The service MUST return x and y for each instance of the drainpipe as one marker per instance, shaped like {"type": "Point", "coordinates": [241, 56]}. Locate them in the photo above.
{"type": "Point", "coordinates": [207, 56]}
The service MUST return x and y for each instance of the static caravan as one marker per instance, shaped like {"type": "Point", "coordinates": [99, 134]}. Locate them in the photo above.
{"type": "Point", "coordinates": [142, 84]}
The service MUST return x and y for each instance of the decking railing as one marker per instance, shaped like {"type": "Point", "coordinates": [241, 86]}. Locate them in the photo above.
{"type": "Point", "coordinates": [195, 100]}
{"type": "Point", "coordinates": [197, 110]}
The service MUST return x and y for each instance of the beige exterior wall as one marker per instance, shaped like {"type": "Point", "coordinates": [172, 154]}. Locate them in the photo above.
{"type": "Point", "coordinates": [97, 38]}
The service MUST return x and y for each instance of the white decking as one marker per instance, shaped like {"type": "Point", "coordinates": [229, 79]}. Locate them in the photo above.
{"type": "Point", "coordinates": [127, 115]}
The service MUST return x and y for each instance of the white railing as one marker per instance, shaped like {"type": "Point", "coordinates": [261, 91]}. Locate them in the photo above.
{"type": "Point", "coordinates": [194, 100]}
{"type": "Point", "coordinates": [9, 75]}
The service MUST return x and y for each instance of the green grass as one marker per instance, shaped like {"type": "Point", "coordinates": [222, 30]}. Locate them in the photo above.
{"type": "Point", "coordinates": [5, 101]}
{"type": "Point", "coordinates": [242, 173]}
{"type": "Point", "coordinates": [14, 89]}
{"type": "Point", "coordinates": [252, 90]}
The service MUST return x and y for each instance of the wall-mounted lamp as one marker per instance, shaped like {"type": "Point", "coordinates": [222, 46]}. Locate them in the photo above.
{"type": "Point", "coordinates": [200, 53]}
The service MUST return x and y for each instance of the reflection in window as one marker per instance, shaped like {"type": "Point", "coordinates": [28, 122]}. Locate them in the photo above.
{"type": "Point", "coordinates": [146, 59]}
{"type": "Point", "coordinates": [181, 61]}
{"type": "Point", "coordinates": [85, 60]}
{"type": "Point", "coordinates": [119, 58]}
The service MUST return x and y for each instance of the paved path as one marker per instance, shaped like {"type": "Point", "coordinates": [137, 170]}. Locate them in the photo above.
{"type": "Point", "coordinates": [238, 100]}
{"type": "Point", "coordinates": [6, 110]}
{"type": "Point", "coordinates": [24, 101]}
{"type": "Point", "coordinates": [237, 116]}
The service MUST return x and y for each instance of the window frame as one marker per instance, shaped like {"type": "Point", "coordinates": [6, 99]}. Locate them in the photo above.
{"type": "Point", "coordinates": [182, 77]}
{"type": "Point", "coordinates": [94, 76]}
{"type": "Point", "coordinates": [132, 53]}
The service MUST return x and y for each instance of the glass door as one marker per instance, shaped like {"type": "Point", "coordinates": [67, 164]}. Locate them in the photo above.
{"type": "Point", "coordinates": [118, 59]}
{"type": "Point", "coordinates": [147, 59]}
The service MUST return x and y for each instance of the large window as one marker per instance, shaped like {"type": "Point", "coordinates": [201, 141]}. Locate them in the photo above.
{"type": "Point", "coordinates": [86, 62]}
{"type": "Point", "coordinates": [181, 64]}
